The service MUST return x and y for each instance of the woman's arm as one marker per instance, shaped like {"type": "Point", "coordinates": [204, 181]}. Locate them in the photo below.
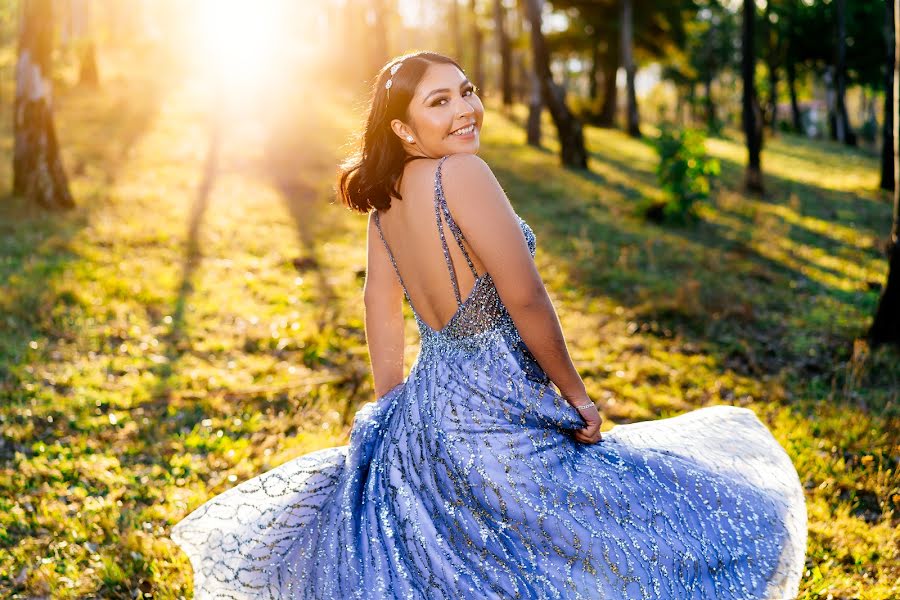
{"type": "Point", "coordinates": [482, 210]}
{"type": "Point", "coordinates": [383, 298]}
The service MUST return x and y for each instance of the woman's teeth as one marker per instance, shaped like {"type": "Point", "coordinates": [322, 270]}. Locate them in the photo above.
{"type": "Point", "coordinates": [464, 130]}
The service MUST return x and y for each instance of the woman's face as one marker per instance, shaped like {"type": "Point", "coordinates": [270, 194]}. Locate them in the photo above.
{"type": "Point", "coordinates": [444, 103]}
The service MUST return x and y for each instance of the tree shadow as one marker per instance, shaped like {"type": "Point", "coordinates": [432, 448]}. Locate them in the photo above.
{"type": "Point", "coordinates": [37, 248]}
{"type": "Point", "coordinates": [741, 318]}
{"type": "Point", "coordinates": [298, 149]}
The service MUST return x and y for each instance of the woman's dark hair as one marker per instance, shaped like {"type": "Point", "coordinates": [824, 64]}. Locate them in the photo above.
{"type": "Point", "coordinates": [368, 178]}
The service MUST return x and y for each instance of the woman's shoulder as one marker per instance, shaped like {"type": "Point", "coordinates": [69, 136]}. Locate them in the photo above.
{"type": "Point", "coordinates": [466, 175]}
{"type": "Point", "coordinates": [464, 163]}
{"type": "Point", "coordinates": [472, 192]}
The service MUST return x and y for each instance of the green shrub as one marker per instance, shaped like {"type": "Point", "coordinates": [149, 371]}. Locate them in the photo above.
{"type": "Point", "coordinates": [685, 173]}
{"type": "Point", "coordinates": [869, 131]}
{"type": "Point", "coordinates": [586, 109]}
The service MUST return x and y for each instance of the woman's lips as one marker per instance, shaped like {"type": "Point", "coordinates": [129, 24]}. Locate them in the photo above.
{"type": "Point", "coordinates": [471, 132]}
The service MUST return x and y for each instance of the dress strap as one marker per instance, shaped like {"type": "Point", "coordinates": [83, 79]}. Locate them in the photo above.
{"type": "Point", "coordinates": [440, 205]}
{"type": "Point", "coordinates": [376, 215]}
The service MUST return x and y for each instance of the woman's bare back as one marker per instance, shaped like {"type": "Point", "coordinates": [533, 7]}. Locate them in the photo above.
{"type": "Point", "coordinates": [410, 229]}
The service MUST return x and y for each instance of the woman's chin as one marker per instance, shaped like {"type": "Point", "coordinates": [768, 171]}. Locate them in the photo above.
{"type": "Point", "coordinates": [468, 146]}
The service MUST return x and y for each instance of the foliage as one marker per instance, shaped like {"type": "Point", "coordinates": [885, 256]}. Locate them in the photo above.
{"type": "Point", "coordinates": [586, 109]}
{"type": "Point", "coordinates": [685, 173]}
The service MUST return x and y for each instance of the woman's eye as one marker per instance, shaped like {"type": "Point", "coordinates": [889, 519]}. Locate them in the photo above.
{"type": "Point", "coordinates": [439, 100]}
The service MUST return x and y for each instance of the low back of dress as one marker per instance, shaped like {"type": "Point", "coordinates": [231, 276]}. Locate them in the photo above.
{"type": "Point", "coordinates": [481, 310]}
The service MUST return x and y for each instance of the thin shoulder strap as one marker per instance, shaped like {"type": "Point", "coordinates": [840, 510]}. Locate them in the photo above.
{"type": "Point", "coordinates": [377, 216]}
{"type": "Point", "coordinates": [454, 228]}
{"type": "Point", "coordinates": [440, 205]}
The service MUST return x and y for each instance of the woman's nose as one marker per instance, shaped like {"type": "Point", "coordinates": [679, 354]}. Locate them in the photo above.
{"type": "Point", "coordinates": [465, 108]}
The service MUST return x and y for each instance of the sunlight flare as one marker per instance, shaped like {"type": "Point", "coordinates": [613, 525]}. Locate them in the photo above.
{"type": "Point", "coordinates": [238, 42]}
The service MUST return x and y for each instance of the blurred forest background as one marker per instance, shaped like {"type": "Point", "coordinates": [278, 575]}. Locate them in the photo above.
{"type": "Point", "coordinates": [712, 185]}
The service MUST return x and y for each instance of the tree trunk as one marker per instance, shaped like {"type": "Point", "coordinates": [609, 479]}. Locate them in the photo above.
{"type": "Point", "coordinates": [791, 72]}
{"type": "Point", "coordinates": [610, 96]}
{"type": "Point", "coordinates": [752, 121]}
{"type": "Point", "coordinates": [477, 62]}
{"type": "Point", "coordinates": [78, 30]}
{"type": "Point", "coordinates": [379, 34]}
{"type": "Point", "coordinates": [711, 117]}
{"type": "Point", "coordinates": [830, 101]}
{"type": "Point", "coordinates": [571, 136]}
{"type": "Point", "coordinates": [886, 325]}
{"type": "Point", "coordinates": [844, 134]}
{"type": "Point", "coordinates": [594, 72]}
{"type": "Point", "coordinates": [535, 102]}
{"type": "Point", "coordinates": [38, 172]}
{"type": "Point", "coordinates": [519, 75]}
{"type": "Point", "coordinates": [679, 105]}
{"type": "Point", "coordinates": [455, 30]}
{"type": "Point", "coordinates": [773, 44]}
{"type": "Point", "coordinates": [692, 103]}
{"type": "Point", "coordinates": [887, 129]}
{"type": "Point", "coordinates": [772, 109]}
{"type": "Point", "coordinates": [88, 75]}
{"type": "Point", "coordinates": [535, 108]}
{"type": "Point", "coordinates": [707, 74]}
{"type": "Point", "coordinates": [505, 51]}
{"type": "Point", "coordinates": [634, 128]}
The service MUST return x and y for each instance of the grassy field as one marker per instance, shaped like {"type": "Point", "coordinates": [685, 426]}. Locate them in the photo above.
{"type": "Point", "coordinates": [197, 320]}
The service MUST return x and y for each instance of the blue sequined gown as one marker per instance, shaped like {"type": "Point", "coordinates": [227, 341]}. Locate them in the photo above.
{"type": "Point", "coordinates": [464, 482]}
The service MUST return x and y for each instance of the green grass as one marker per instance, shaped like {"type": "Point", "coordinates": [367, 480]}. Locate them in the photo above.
{"type": "Point", "coordinates": [197, 320]}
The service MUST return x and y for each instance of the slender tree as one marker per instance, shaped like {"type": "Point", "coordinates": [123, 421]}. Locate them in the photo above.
{"type": "Point", "coordinates": [455, 30]}
{"type": "Point", "coordinates": [774, 43]}
{"type": "Point", "coordinates": [38, 172]}
{"type": "Point", "coordinates": [633, 125]}
{"type": "Point", "coordinates": [610, 95]}
{"type": "Point", "coordinates": [842, 122]}
{"type": "Point", "coordinates": [477, 46]}
{"type": "Point", "coordinates": [504, 51]}
{"type": "Point", "coordinates": [886, 325]}
{"type": "Point", "coordinates": [790, 28]}
{"type": "Point", "coordinates": [88, 73]}
{"type": "Point", "coordinates": [535, 102]}
{"type": "Point", "coordinates": [379, 33]}
{"type": "Point", "coordinates": [887, 129]}
{"type": "Point", "coordinates": [751, 113]}
{"type": "Point", "coordinates": [535, 109]}
{"type": "Point", "coordinates": [78, 31]}
{"type": "Point", "coordinates": [790, 68]}
{"type": "Point", "coordinates": [569, 131]}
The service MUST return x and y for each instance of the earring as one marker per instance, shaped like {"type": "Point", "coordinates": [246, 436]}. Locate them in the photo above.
{"type": "Point", "coordinates": [409, 138]}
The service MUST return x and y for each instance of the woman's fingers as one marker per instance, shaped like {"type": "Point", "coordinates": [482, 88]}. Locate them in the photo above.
{"type": "Point", "coordinates": [590, 434]}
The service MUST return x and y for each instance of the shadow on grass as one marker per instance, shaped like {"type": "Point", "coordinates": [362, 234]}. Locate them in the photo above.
{"type": "Point", "coordinates": [297, 152]}
{"type": "Point", "coordinates": [175, 339]}
{"type": "Point", "coordinates": [742, 309]}
{"type": "Point", "coordinates": [36, 246]}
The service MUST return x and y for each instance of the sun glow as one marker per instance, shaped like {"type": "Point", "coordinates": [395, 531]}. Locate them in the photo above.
{"type": "Point", "coordinates": [239, 42]}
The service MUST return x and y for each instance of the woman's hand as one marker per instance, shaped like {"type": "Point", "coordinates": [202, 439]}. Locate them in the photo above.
{"type": "Point", "coordinates": [590, 433]}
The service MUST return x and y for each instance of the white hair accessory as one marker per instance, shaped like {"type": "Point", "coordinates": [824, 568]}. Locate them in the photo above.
{"type": "Point", "coordinates": [394, 70]}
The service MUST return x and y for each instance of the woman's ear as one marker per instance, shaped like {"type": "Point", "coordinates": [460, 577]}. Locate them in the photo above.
{"type": "Point", "coordinates": [400, 129]}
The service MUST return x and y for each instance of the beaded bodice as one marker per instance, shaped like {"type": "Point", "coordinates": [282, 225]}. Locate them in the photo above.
{"type": "Point", "coordinates": [482, 311]}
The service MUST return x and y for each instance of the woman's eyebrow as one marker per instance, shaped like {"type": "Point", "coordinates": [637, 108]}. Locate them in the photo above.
{"type": "Point", "coordinates": [433, 92]}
